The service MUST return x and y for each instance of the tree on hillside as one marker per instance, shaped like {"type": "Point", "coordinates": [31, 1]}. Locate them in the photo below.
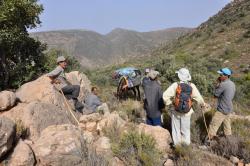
{"type": "Point", "coordinates": [20, 54]}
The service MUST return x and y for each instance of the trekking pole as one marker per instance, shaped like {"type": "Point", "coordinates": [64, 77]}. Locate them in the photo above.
{"type": "Point", "coordinates": [69, 109]}
{"type": "Point", "coordinates": [204, 119]}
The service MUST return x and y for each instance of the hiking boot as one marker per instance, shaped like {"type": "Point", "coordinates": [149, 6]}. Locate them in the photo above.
{"type": "Point", "coordinates": [78, 106]}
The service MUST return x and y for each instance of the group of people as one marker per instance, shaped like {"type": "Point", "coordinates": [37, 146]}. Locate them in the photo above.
{"type": "Point", "coordinates": [179, 96]}
{"type": "Point", "coordinates": [92, 102]}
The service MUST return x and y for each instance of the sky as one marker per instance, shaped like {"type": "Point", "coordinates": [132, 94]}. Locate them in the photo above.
{"type": "Point", "coordinates": [141, 15]}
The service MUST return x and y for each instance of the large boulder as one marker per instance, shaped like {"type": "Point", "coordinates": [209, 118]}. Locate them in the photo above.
{"type": "Point", "coordinates": [42, 90]}
{"type": "Point", "coordinates": [109, 121]}
{"type": "Point", "coordinates": [103, 146]}
{"type": "Point", "coordinates": [7, 100]}
{"type": "Point", "coordinates": [89, 122]}
{"type": "Point", "coordinates": [7, 135]}
{"type": "Point", "coordinates": [60, 145]}
{"type": "Point", "coordinates": [94, 117]}
{"type": "Point", "coordinates": [77, 78]}
{"type": "Point", "coordinates": [161, 135]}
{"type": "Point", "coordinates": [37, 116]}
{"type": "Point", "coordinates": [16, 112]}
{"type": "Point", "coordinates": [22, 155]}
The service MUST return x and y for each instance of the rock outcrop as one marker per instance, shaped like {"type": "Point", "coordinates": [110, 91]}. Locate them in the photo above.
{"type": "Point", "coordinates": [7, 135]}
{"type": "Point", "coordinates": [161, 135]}
{"type": "Point", "coordinates": [39, 90]}
{"type": "Point", "coordinates": [22, 155]}
{"type": "Point", "coordinates": [109, 121]}
{"type": "Point", "coordinates": [7, 100]}
{"type": "Point", "coordinates": [60, 145]}
{"type": "Point", "coordinates": [37, 116]}
{"type": "Point", "coordinates": [103, 146]}
{"type": "Point", "coordinates": [77, 78]}
{"type": "Point", "coordinates": [42, 90]}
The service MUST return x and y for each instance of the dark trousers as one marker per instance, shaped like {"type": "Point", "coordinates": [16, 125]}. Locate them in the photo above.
{"type": "Point", "coordinates": [71, 91]}
{"type": "Point", "coordinates": [154, 121]}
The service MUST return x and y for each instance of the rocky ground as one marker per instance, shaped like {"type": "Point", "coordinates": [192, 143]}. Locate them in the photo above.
{"type": "Point", "coordinates": [37, 128]}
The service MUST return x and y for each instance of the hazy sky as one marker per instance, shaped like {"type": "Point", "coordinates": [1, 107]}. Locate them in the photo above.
{"type": "Point", "coordinates": [141, 15]}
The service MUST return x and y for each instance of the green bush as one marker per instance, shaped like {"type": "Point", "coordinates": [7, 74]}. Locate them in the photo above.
{"type": "Point", "coordinates": [229, 53]}
{"type": "Point", "coordinates": [137, 149]}
{"type": "Point", "coordinates": [49, 61]}
{"type": "Point", "coordinates": [246, 34]}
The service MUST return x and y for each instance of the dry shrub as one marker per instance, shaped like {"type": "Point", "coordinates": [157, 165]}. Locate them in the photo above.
{"type": "Point", "coordinates": [137, 149]}
{"type": "Point", "coordinates": [133, 110]}
{"type": "Point", "coordinates": [191, 156]}
{"type": "Point", "coordinates": [21, 130]}
{"type": "Point", "coordinates": [231, 145]}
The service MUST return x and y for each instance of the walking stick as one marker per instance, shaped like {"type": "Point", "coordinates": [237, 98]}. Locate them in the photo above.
{"type": "Point", "coordinates": [204, 119]}
{"type": "Point", "coordinates": [69, 108]}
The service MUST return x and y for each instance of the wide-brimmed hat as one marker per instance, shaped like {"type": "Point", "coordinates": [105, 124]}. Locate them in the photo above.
{"type": "Point", "coordinates": [153, 74]}
{"type": "Point", "coordinates": [225, 71]}
{"type": "Point", "coordinates": [60, 59]}
{"type": "Point", "coordinates": [184, 74]}
{"type": "Point", "coordinates": [147, 70]}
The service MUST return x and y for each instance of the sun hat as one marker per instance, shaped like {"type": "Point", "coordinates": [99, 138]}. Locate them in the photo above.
{"type": "Point", "coordinates": [60, 59]}
{"type": "Point", "coordinates": [153, 74]}
{"type": "Point", "coordinates": [184, 74]}
{"type": "Point", "coordinates": [225, 71]}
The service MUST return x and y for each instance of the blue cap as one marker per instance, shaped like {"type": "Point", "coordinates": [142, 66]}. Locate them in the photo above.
{"type": "Point", "coordinates": [225, 71]}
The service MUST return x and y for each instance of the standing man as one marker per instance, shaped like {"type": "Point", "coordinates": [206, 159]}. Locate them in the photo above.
{"type": "Point", "coordinates": [153, 102]}
{"type": "Point", "coordinates": [180, 96]}
{"type": "Point", "coordinates": [58, 77]}
{"type": "Point", "coordinates": [224, 92]}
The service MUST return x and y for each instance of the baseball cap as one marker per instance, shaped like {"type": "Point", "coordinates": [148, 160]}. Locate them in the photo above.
{"type": "Point", "coordinates": [225, 71]}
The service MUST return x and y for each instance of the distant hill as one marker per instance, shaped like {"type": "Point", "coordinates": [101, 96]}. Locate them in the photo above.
{"type": "Point", "coordinates": [224, 37]}
{"type": "Point", "coordinates": [93, 49]}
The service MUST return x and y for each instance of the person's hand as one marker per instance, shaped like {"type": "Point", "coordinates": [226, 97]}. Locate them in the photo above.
{"type": "Point", "coordinates": [205, 107]}
{"type": "Point", "coordinates": [55, 81]}
{"type": "Point", "coordinates": [217, 82]}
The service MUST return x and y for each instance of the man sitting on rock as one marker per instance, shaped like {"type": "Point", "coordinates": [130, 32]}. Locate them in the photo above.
{"type": "Point", "coordinates": [58, 77]}
{"type": "Point", "coordinates": [94, 104]}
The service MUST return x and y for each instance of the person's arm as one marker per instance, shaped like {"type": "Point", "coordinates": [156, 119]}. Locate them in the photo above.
{"type": "Point", "coordinates": [169, 94]}
{"type": "Point", "coordinates": [97, 101]}
{"type": "Point", "coordinates": [218, 90]}
{"type": "Point", "coordinates": [197, 96]}
{"type": "Point", "coordinates": [160, 95]}
{"type": "Point", "coordinates": [54, 74]}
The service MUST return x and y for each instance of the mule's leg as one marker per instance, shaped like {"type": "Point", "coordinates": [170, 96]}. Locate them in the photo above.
{"type": "Point", "coordinates": [134, 91]}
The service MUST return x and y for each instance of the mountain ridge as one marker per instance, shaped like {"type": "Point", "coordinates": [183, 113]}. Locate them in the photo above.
{"type": "Point", "coordinates": [93, 49]}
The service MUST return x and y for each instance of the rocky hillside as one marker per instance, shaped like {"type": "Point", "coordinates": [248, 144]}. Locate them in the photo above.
{"type": "Point", "coordinates": [37, 128]}
{"type": "Point", "coordinates": [93, 49]}
{"type": "Point", "coordinates": [225, 36]}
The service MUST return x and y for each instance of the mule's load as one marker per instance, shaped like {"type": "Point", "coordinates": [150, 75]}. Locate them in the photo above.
{"type": "Point", "coordinates": [126, 79]}
{"type": "Point", "coordinates": [132, 74]}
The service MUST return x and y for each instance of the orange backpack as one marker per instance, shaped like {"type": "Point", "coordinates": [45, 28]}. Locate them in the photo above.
{"type": "Point", "coordinates": [183, 98]}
